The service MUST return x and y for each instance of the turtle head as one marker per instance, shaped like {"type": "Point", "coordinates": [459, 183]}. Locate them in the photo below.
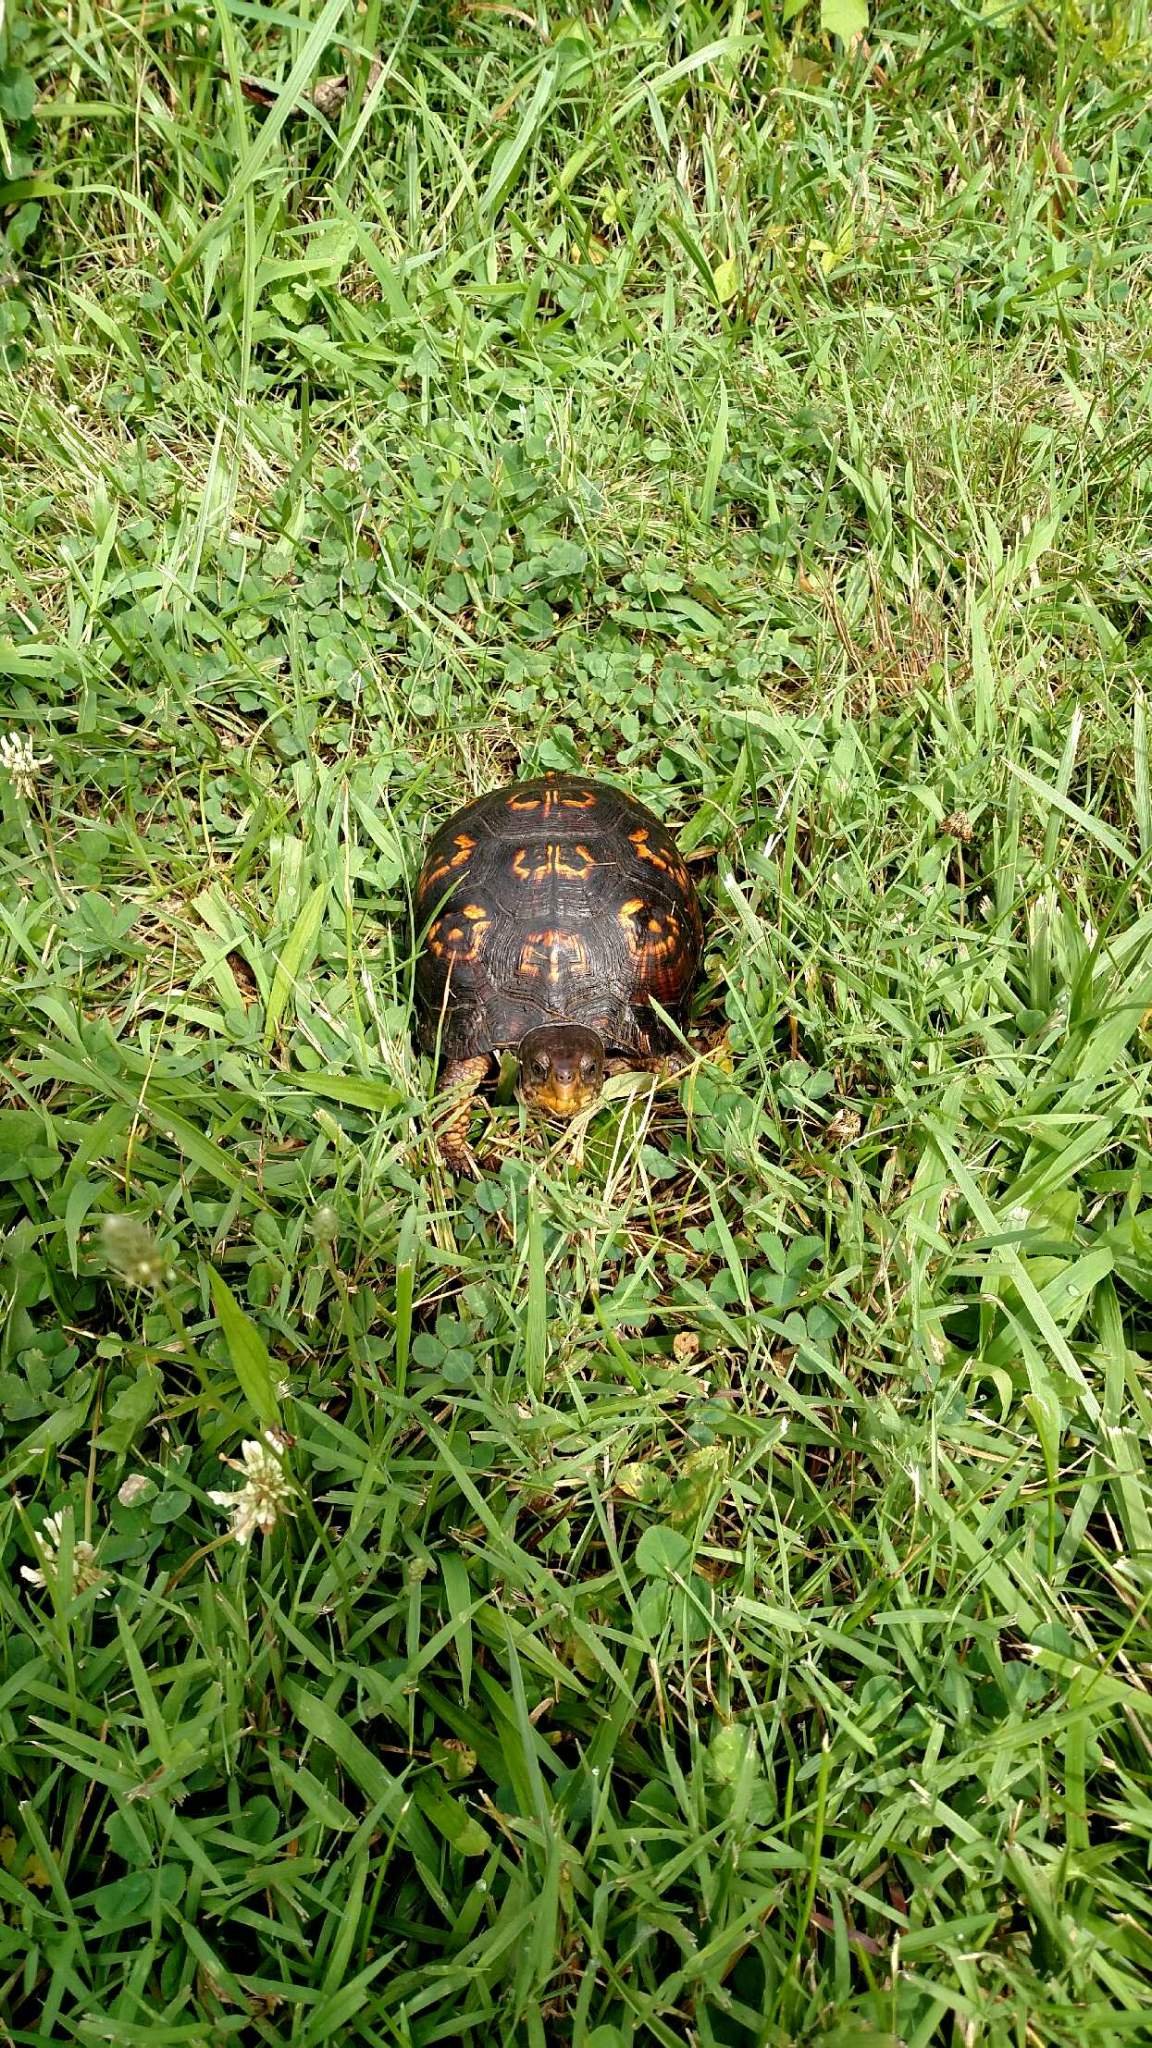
{"type": "Point", "coordinates": [561, 1068]}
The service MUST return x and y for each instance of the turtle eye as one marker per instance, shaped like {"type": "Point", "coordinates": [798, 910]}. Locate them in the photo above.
{"type": "Point", "coordinates": [587, 1067]}
{"type": "Point", "coordinates": [540, 1067]}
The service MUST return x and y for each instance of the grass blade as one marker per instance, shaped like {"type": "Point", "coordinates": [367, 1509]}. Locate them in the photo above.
{"type": "Point", "coordinates": [248, 1353]}
{"type": "Point", "coordinates": [295, 959]}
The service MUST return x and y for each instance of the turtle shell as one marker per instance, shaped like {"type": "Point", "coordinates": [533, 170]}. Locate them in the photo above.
{"type": "Point", "coordinates": [556, 901]}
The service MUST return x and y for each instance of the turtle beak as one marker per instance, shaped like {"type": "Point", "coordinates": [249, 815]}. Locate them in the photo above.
{"type": "Point", "coordinates": [562, 1096]}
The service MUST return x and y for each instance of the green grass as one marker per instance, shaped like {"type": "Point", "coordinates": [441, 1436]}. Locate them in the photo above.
{"type": "Point", "coordinates": [715, 1603]}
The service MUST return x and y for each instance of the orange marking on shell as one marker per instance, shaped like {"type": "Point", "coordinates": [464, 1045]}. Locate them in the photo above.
{"type": "Point", "coordinates": [554, 860]}
{"type": "Point", "coordinates": [575, 868]}
{"type": "Point", "coordinates": [659, 973]}
{"type": "Point", "coordinates": [635, 907]}
{"type": "Point", "coordinates": [647, 945]}
{"type": "Point", "coordinates": [460, 944]}
{"type": "Point", "coordinates": [551, 952]}
{"type": "Point", "coordinates": [465, 847]}
{"type": "Point", "coordinates": [531, 868]}
{"type": "Point", "coordinates": [552, 800]}
{"type": "Point", "coordinates": [640, 841]}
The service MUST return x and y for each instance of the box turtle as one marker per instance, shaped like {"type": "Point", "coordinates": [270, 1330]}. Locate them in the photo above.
{"type": "Point", "coordinates": [557, 912]}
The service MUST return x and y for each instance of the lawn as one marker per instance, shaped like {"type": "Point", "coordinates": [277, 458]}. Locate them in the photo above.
{"type": "Point", "coordinates": [706, 1591]}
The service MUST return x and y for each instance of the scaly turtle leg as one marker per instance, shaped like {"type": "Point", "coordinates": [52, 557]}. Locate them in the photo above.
{"type": "Point", "coordinates": [663, 1064]}
{"type": "Point", "coordinates": [461, 1078]}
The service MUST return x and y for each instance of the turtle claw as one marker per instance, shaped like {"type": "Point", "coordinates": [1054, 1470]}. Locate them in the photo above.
{"type": "Point", "coordinates": [461, 1161]}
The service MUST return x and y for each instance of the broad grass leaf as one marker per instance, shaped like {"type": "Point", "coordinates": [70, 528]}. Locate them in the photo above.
{"type": "Point", "coordinates": [846, 18]}
{"type": "Point", "coordinates": [248, 1353]}
{"type": "Point", "coordinates": [451, 1818]}
{"type": "Point", "coordinates": [297, 956]}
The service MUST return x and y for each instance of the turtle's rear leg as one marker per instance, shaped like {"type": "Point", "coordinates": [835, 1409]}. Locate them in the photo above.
{"type": "Point", "coordinates": [461, 1079]}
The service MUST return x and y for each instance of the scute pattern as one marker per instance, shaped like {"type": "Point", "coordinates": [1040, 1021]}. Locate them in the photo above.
{"type": "Point", "coordinates": [558, 900]}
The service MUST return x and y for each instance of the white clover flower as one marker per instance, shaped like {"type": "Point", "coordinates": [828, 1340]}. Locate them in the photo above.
{"type": "Point", "coordinates": [266, 1491]}
{"type": "Point", "coordinates": [132, 1251]}
{"type": "Point", "coordinates": [19, 762]}
{"type": "Point", "coordinates": [85, 1570]}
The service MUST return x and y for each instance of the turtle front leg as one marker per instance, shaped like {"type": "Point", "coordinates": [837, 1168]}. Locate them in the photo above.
{"type": "Point", "coordinates": [461, 1078]}
{"type": "Point", "coordinates": [662, 1064]}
